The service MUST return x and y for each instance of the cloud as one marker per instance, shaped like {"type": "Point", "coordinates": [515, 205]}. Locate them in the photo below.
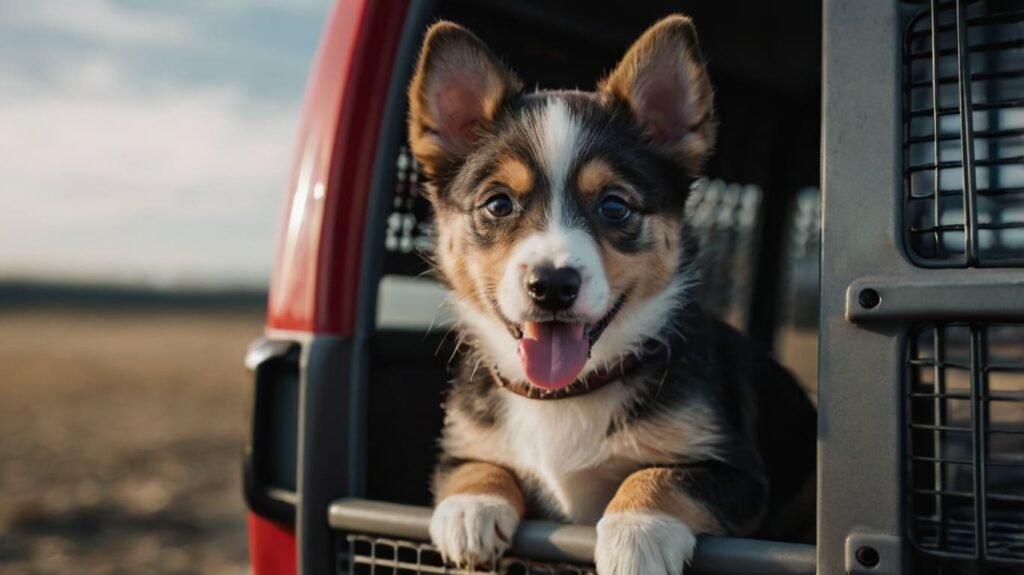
{"type": "Point", "coordinates": [108, 21]}
{"type": "Point", "coordinates": [145, 143]}
{"type": "Point", "coordinates": [285, 5]}
{"type": "Point", "coordinates": [108, 178]}
{"type": "Point", "coordinates": [97, 20]}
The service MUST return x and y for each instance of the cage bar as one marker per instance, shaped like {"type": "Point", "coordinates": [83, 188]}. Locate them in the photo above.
{"type": "Point", "coordinates": [965, 444]}
{"type": "Point", "coordinates": [379, 531]}
{"type": "Point", "coordinates": [971, 149]}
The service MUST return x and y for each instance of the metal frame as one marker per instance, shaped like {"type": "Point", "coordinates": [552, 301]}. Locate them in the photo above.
{"type": "Point", "coordinates": [574, 544]}
{"type": "Point", "coordinates": [380, 197]}
{"type": "Point", "coordinates": [332, 423]}
{"type": "Point", "coordinates": [315, 303]}
{"type": "Point", "coordinates": [372, 554]}
{"type": "Point", "coordinates": [875, 290]}
{"type": "Point", "coordinates": [859, 403]}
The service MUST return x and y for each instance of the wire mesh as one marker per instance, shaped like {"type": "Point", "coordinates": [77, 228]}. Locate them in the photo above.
{"type": "Point", "coordinates": [963, 134]}
{"type": "Point", "coordinates": [965, 444]}
{"type": "Point", "coordinates": [723, 218]}
{"type": "Point", "coordinates": [369, 555]}
{"type": "Point", "coordinates": [409, 233]}
{"type": "Point", "coordinates": [801, 262]}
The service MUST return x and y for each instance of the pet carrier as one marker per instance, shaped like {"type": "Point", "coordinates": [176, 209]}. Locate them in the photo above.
{"type": "Point", "coordinates": [921, 393]}
{"type": "Point", "coordinates": [921, 421]}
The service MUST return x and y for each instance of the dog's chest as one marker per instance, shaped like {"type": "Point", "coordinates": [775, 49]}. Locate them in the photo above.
{"type": "Point", "coordinates": [563, 445]}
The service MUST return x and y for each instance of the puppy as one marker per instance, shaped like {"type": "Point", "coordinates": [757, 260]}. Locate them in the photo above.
{"type": "Point", "coordinates": [591, 388]}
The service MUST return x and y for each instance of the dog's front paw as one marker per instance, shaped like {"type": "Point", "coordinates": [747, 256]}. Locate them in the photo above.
{"type": "Point", "coordinates": [473, 529]}
{"type": "Point", "coordinates": [634, 543]}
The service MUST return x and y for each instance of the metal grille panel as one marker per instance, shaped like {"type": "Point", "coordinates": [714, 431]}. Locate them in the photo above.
{"type": "Point", "coordinates": [965, 443]}
{"type": "Point", "coordinates": [409, 234]}
{"type": "Point", "coordinates": [963, 130]}
{"type": "Point", "coordinates": [723, 217]}
{"type": "Point", "coordinates": [367, 555]}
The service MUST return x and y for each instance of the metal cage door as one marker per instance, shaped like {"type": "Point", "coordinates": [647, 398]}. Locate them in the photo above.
{"type": "Point", "coordinates": [921, 393]}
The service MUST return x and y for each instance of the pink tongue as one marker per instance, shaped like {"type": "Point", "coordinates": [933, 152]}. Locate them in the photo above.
{"type": "Point", "coordinates": [552, 353]}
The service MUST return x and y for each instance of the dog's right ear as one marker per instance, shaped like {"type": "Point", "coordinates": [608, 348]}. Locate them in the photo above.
{"type": "Point", "coordinates": [458, 87]}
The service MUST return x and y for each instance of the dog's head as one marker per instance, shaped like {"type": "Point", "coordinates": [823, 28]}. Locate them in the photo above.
{"type": "Point", "coordinates": [560, 214]}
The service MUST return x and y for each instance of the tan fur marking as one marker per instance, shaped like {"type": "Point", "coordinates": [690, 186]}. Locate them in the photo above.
{"type": "Point", "coordinates": [452, 263]}
{"type": "Point", "coordinates": [516, 175]}
{"type": "Point", "coordinates": [657, 490]}
{"type": "Point", "coordinates": [483, 479]}
{"type": "Point", "coordinates": [595, 176]}
{"type": "Point", "coordinates": [649, 272]}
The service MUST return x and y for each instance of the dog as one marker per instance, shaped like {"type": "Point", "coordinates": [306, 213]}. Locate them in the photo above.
{"type": "Point", "coordinates": [591, 389]}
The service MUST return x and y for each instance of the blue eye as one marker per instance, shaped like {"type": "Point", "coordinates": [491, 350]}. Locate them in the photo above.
{"type": "Point", "coordinates": [614, 209]}
{"type": "Point", "coordinates": [499, 205]}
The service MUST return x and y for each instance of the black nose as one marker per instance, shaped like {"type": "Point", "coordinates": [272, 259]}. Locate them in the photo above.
{"type": "Point", "coordinates": [553, 289]}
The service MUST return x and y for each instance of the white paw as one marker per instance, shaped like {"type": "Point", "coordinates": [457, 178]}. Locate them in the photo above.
{"type": "Point", "coordinates": [473, 529]}
{"type": "Point", "coordinates": [637, 543]}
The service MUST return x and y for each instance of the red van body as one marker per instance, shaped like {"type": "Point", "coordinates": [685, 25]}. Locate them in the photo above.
{"type": "Point", "coordinates": [314, 285]}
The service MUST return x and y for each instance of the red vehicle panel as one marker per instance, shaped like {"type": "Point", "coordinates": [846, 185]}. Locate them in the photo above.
{"type": "Point", "coordinates": [314, 286]}
{"type": "Point", "coordinates": [316, 269]}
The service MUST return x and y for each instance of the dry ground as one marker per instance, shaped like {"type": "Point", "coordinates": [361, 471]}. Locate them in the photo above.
{"type": "Point", "coordinates": [120, 437]}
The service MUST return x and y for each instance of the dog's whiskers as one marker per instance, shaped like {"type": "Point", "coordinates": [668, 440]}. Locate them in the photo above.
{"type": "Point", "coordinates": [433, 320]}
{"type": "Point", "coordinates": [472, 375]}
{"type": "Point", "coordinates": [445, 338]}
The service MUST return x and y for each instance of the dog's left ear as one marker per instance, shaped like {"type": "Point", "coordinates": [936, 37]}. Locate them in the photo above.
{"type": "Point", "coordinates": [663, 81]}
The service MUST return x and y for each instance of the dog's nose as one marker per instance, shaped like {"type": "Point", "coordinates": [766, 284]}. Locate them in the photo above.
{"type": "Point", "coordinates": [553, 289]}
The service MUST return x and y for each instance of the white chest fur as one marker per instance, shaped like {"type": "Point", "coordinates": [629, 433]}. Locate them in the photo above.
{"type": "Point", "coordinates": [563, 444]}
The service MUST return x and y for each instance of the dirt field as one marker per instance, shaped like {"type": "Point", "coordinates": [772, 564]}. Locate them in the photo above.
{"type": "Point", "coordinates": [120, 437]}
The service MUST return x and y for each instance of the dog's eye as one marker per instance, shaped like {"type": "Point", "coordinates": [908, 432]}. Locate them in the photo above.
{"type": "Point", "coordinates": [499, 205]}
{"type": "Point", "coordinates": [614, 209]}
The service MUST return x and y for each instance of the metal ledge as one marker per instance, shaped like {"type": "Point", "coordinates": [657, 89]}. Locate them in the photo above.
{"type": "Point", "coordinates": [547, 541]}
{"type": "Point", "coordinates": [946, 295]}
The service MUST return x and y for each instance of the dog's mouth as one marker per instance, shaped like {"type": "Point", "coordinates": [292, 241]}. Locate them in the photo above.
{"type": "Point", "coordinates": [554, 352]}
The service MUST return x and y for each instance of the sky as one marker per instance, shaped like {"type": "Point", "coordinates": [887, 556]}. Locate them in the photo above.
{"type": "Point", "coordinates": [146, 142]}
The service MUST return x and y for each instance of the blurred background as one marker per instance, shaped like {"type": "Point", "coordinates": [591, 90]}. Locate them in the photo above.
{"type": "Point", "coordinates": [144, 149]}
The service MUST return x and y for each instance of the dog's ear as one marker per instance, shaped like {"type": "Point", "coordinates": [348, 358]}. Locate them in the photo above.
{"type": "Point", "coordinates": [458, 87]}
{"type": "Point", "coordinates": [663, 81]}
